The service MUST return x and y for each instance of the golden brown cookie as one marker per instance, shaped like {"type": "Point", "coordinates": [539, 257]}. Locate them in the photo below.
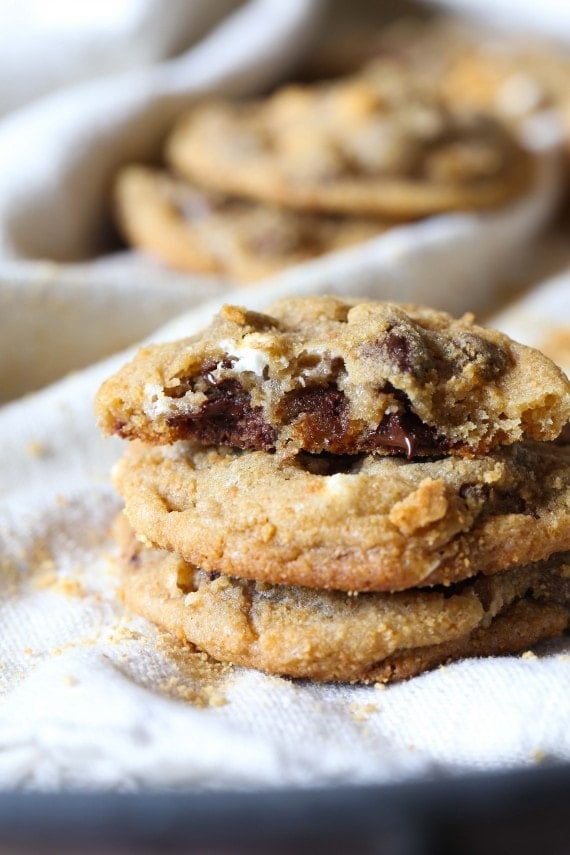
{"type": "Point", "coordinates": [353, 523]}
{"type": "Point", "coordinates": [342, 376]}
{"type": "Point", "coordinates": [198, 231]}
{"type": "Point", "coordinates": [335, 636]}
{"type": "Point", "coordinates": [376, 145]}
{"type": "Point", "coordinates": [513, 80]}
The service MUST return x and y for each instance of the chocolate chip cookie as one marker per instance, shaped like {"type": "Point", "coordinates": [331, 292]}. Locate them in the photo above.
{"type": "Point", "coordinates": [195, 230]}
{"type": "Point", "coordinates": [345, 489]}
{"type": "Point", "coordinates": [329, 635]}
{"type": "Point", "coordinates": [354, 523]}
{"type": "Point", "coordinates": [324, 374]}
{"type": "Point", "coordinates": [376, 145]}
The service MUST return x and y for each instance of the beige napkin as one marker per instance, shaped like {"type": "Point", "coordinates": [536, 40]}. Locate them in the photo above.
{"type": "Point", "coordinates": [59, 152]}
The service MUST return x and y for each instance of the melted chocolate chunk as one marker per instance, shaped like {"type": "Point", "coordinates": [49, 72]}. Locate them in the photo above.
{"type": "Point", "coordinates": [227, 418]}
{"type": "Point", "coordinates": [319, 416]}
{"type": "Point", "coordinates": [321, 413]}
{"type": "Point", "coordinates": [405, 432]}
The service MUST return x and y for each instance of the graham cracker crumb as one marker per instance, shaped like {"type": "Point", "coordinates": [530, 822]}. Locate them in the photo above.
{"type": "Point", "coordinates": [66, 585]}
{"type": "Point", "coordinates": [121, 631]}
{"type": "Point", "coordinates": [86, 641]}
{"type": "Point", "coordinates": [70, 680]}
{"type": "Point", "coordinates": [198, 696]}
{"type": "Point", "coordinates": [35, 448]}
{"type": "Point", "coordinates": [199, 680]}
{"type": "Point", "coordinates": [538, 755]}
{"type": "Point", "coordinates": [361, 712]}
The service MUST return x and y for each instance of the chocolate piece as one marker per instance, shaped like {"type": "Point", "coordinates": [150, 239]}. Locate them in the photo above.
{"type": "Point", "coordinates": [405, 432]}
{"type": "Point", "coordinates": [319, 416]}
{"type": "Point", "coordinates": [323, 417]}
{"type": "Point", "coordinates": [226, 418]}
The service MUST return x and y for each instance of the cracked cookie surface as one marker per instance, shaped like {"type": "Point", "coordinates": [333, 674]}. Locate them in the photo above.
{"type": "Point", "coordinates": [192, 229]}
{"type": "Point", "coordinates": [378, 144]}
{"type": "Point", "coordinates": [325, 374]}
{"type": "Point", "coordinates": [353, 523]}
{"type": "Point", "coordinates": [331, 635]}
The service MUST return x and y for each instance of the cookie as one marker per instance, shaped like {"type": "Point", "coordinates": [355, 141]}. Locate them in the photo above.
{"type": "Point", "coordinates": [513, 80]}
{"type": "Point", "coordinates": [376, 145]}
{"type": "Point", "coordinates": [352, 523]}
{"type": "Point", "coordinates": [193, 230]}
{"type": "Point", "coordinates": [327, 636]}
{"type": "Point", "coordinates": [324, 374]}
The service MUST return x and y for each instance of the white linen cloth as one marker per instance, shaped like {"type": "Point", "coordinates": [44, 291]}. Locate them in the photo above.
{"type": "Point", "coordinates": [88, 699]}
{"type": "Point", "coordinates": [549, 18]}
{"type": "Point", "coordinates": [59, 153]}
{"type": "Point", "coordinates": [86, 691]}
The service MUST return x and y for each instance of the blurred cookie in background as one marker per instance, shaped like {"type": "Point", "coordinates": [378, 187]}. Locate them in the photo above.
{"type": "Point", "coordinates": [424, 119]}
{"type": "Point", "coordinates": [508, 74]}
{"type": "Point", "coordinates": [195, 230]}
{"type": "Point", "coordinates": [378, 144]}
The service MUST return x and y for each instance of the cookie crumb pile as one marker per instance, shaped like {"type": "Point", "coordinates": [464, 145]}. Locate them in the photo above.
{"type": "Point", "coordinates": [251, 187]}
{"type": "Point", "coordinates": [344, 490]}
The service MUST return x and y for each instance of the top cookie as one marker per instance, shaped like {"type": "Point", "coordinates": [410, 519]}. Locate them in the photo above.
{"type": "Point", "coordinates": [377, 145]}
{"type": "Point", "coordinates": [341, 376]}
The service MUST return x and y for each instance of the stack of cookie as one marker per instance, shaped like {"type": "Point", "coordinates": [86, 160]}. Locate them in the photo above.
{"type": "Point", "coordinates": [344, 490]}
{"type": "Point", "coordinates": [257, 186]}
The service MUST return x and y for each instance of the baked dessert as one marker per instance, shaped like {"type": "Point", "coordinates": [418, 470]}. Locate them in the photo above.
{"type": "Point", "coordinates": [378, 145]}
{"type": "Point", "coordinates": [324, 374]}
{"type": "Point", "coordinates": [332, 635]}
{"type": "Point", "coordinates": [311, 551]}
{"type": "Point", "coordinates": [370, 523]}
{"type": "Point", "coordinates": [194, 230]}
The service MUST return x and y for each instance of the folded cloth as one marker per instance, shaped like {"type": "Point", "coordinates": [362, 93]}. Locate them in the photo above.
{"type": "Point", "coordinates": [550, 18]}
{"type": "Point", "coordinates": [59, 153]}
{"type": "Point", "coordinates": [45, 49]}
{"type": "Point", "coordinates": [96, 698]}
